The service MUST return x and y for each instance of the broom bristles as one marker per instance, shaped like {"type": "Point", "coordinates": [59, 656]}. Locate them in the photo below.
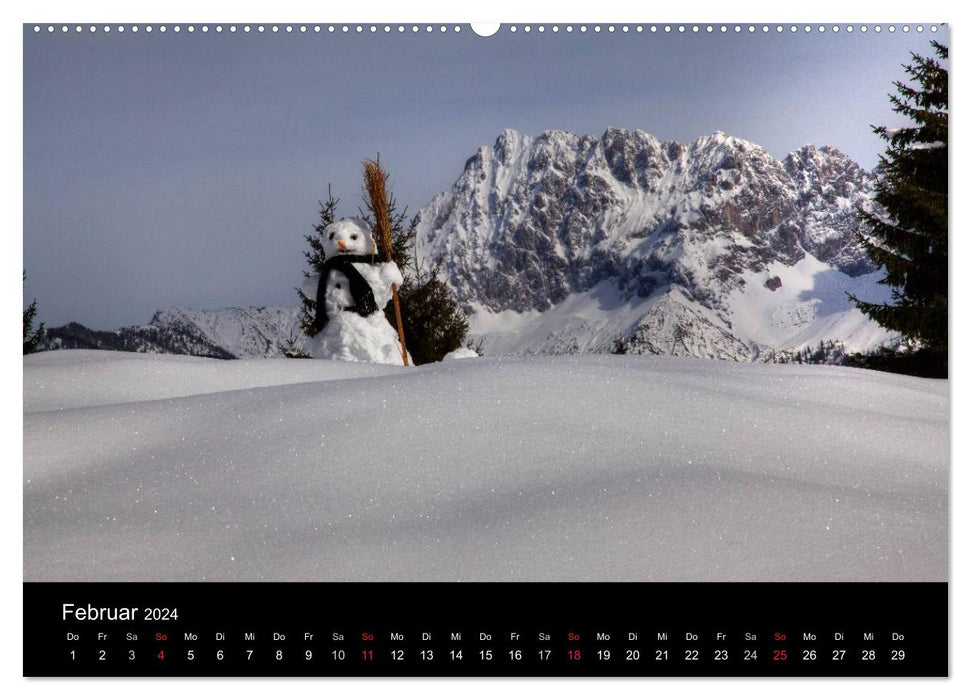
{"type": "Point", "coordinates": [375, 182]}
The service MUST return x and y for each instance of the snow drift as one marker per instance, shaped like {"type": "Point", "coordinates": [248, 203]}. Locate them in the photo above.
{"type": "Point", "coordinates": [538, 468]}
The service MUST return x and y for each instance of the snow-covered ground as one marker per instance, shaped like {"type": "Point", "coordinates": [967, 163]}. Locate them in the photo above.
{"type": "Point", "coordinates": [809, 305]}
{"type": "Point", "coordinates": [77, 378]}
{"type": "Point", "coordinates": [527, 468]}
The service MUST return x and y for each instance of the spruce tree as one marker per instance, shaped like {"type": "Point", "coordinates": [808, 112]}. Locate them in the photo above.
{"type": "Point", "coordinates": [315, 259]}
{"type": "Point", "coordinates": [32, 338]}
{"type": "Point", "coordinates": [434, 323]}
{"type": "Point", "coordinates": [908, 232]}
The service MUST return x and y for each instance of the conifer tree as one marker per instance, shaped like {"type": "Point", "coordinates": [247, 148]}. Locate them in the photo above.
{"type": "Point", "coordinates": [32, 338]}
{"type": "Point", "coordinates": [315, 259]}
{"type": "Point", "coordinates": [908, 235]}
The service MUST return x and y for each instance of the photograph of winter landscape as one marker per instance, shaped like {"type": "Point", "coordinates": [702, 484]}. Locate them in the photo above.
{"type": "Point", "coordinates": [408, 305]}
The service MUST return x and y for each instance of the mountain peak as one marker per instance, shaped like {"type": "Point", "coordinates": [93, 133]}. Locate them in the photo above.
{"type": "Point", "coordinates": [508, 134]}
{"type": "Point", "coordinates": [813, 153]}
{"type": "Point", "coordinates": [509, 144]}
{"type": "Point", "coordinates": [720, 139]}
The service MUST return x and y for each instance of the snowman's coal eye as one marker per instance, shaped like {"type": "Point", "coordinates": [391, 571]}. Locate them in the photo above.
{"type": "Point", "coordinates": [337, 286]}
{"type": "Point", "coordinates": [332, 236]}
{"type": "Point", "coordinates": [354, 237]}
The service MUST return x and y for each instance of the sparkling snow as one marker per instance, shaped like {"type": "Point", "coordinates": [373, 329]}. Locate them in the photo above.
{"type": "Point", "coordinates": [545, 468]}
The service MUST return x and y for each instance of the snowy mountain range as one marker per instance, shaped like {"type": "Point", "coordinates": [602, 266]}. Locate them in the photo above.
{"type": "Point", "coordinates": [562, 243]}
{"type": "Point", "coordinates": [256, 331]}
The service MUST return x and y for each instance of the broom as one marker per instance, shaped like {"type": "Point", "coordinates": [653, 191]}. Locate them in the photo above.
{"type": "Point", "coordinates": [375, 183]}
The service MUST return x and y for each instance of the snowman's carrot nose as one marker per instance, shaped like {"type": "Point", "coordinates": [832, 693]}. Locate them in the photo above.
{"type": "Point", "coordinates": [341, 245]}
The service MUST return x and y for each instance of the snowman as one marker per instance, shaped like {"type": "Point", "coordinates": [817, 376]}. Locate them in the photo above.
{"type": "Point", "coordinates": [351, 293]}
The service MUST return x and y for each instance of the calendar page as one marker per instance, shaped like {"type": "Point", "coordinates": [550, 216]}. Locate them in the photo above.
{"type": "Point", "coordinates": [485, 350]}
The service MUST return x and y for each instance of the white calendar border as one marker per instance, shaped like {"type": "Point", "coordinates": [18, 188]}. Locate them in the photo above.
{"type": "Point", "coordinates": [830, 11]}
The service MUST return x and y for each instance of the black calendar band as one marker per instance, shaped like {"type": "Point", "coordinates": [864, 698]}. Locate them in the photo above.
{"type": "Point", "coordinates": [486, 629]}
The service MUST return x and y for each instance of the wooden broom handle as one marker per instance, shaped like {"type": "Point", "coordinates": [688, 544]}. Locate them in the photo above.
{"type": "Point", "coordinates": [379, 205]}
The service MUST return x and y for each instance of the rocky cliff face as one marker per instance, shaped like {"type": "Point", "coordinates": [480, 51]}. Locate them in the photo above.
{"type": "Point", "coordinates": [676, 234]}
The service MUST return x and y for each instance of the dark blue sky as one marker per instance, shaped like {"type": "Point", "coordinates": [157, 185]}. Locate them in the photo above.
{"type": "Point", "coordinates": [184, 169]}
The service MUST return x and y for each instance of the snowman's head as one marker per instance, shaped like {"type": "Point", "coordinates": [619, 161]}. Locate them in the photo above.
{"type": "Point", "coordinates": [348, 237]}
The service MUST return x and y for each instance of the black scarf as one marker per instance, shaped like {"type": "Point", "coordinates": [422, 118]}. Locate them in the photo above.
{"type": "Point", "coordinates": [361, 293]}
